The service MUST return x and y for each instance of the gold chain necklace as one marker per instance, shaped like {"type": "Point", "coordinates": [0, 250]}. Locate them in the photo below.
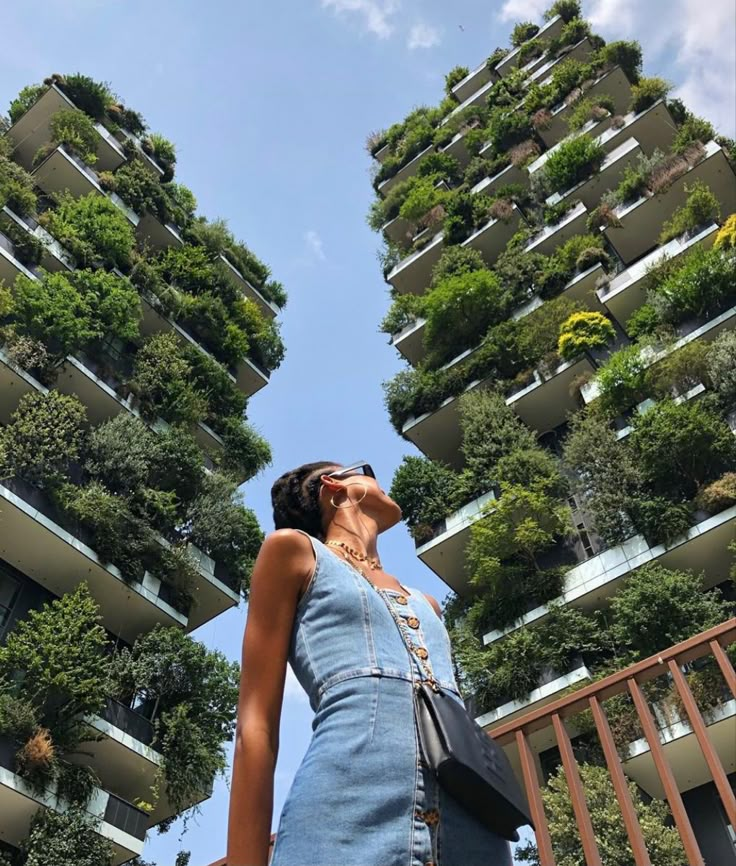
{"type": "Point", "coordinates": [356, 554]}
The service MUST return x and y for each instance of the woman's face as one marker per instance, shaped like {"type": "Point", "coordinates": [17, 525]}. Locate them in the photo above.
{"type": "Point", "coordinates": [366, 492]}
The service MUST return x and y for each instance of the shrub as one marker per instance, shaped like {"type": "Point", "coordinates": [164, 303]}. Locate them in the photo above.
{"type": "Point", "coordinates": [726, 237]}
{"type": "Point", "coordinates": [27, 97]}
{"type": "Point", "coordinates": [16, 188]}
{"type": "Point", "coordinates": [522, 31]}
{"type": "Point", "coordinates": [627, 55]}
{"type": "Point", "coordinates": [570, 252]}
{"type": "Point", "coordinates": [681, 447]}
{"type": "Point", "coordinates": [719, 494]}
{"type": "Point", "coordinates": [423, 196]}
{"type": "Point", "coordinates": [583, 332]}
{"type": "Point", "coordinates": [539, 331]}
{"type": "Point", "coordinates": [460, 310]}
{"type": "Point", "coordinates": [701, 207]}
{"type": "Point", "coordinates": [660, 520]}
{"type": "Point", "coordinates": [661, 838]}
{"type": "Point", "coordinates": [722, 367]}
{"type": "Point", "coordinates": [404, 311]}
{"type": "Point", "coordinates": [92, 97]}
{"type": "Point", "coordinates": [74, 130]}
{"type": "Point", "coordinates": [44, 436]}
{"type": "Point", "coordinates": [572, 162]}
{"type": "Point", "coordinates": [646, 92]}
{"type": "Point", "coordinates": [54, 834]}
{"type": "Point", "coordinates": [161, 149]}
{"type": "Point", "coordinates": [139, 189]}
{"type": "Point", "coordinates": [507, 128]}
{"type": "Point", "coordinates": [566, 9]}
{"type": "Point", "coordinates": [423, 490]}
{"type": "Point", "coordinates": [245, 451]}
{"type": "Point", "coordinates": [590, 108]}
{"type": "Point", "coordinates": [679, 371]}
{"type": "Point", "coordinates": [622, 380]}
{"type": "Point", "coordinates": [93, 229]}
{"type": "Point", "coordinates": [27, 248]}
{"type": "Point", "coordinates": [643, 322]}
{"type": "Point", "coordinates": [692, 129]}
{"type": "Point", "coordinates": [455, 76]}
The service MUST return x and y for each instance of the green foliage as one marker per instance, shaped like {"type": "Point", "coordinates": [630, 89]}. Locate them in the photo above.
{"type": "Point", "coordinates": [661, 838]}
{"type": "Point", "coordinates": [424, 196]}
{"type": "Point", "coordinates": [404, 311]}
{"type": "Point", "coordinates": [692, 129]}
{"type": "Point", "coordinates": [224, 528]}
{"type": "Point", "coordinates": [522, 31]}
{"type": "Point", "coordinates": [69, 310]}
{"type": "Point", "coordinates": [721, 367]}
{"type": "Point", "coordinates": [642, 322]}
{"type": "Point", "coordinates": [646, 92]}
{"type": "Point", "coordinates": [45, 435]}
{"type": "Point", "coordinates": [92, 97]}
{"type": "Point", "coordinates": [74, 130]}
{"type": "Point", "coordinates": [583, 332]}
{"type": "Point", "coordinates": [539, 331]}
{"type": "Point", "coordinates": [679, 371]}
{"type": "Point", "coordinates": [627, 55]}
{"type": "Point", "coordinates": [245, 451]}
{"type": "Point", "coordinates": [460, 310]}
{"type": "Point", "coordinates": [139, 189]}
{"type": "Point", "coordinates": [590, 108]}
{"type": "Point", "coordinates": [701, 207]}
{"type": "Point", "coordinates": [64, 838]}
{"type": "Point", "coordinates": [621, 380]}
{"type": "Point", "coordinates": [572, 162]}
{"type": "Point", "coordinates": [196, 690]}
{"type": "Point", "coordinates": [681, 446]}
{"type": "Point", "coordinates": [28, 97]}
{"type": "Point", "coordinates": [659, 607]}
{"type": "Point", "coordinates": [93, 229]}
{"type": "Point", "coordinates": [55, 657]}
{"type": "Point", "coordinates": [507, 128]}
{"type": "Point", "coordinates": [27, 248]}
{"type": "Point", "coordinates": [455, 76]}
{"type": "Point", "coordinates": [161, 149]}
{"type": "Point", "coordinates": [719, 494]}
{"type": "Point", "coordinates": [423, 490]}
{"type": "Point", "coordinates": [566, 9]}
{"type": "Point", "coordinates": [660, 520]}
{"type": "Point", "coordinates": [16, 188]}
{"type": "Point", "coordinates": [454, 262]}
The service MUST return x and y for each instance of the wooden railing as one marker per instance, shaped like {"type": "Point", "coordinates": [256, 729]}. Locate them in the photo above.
{"type": "Point", "coordinates": [629, 680]}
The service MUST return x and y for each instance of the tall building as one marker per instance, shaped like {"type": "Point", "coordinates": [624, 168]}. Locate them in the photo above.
{"type": "Point", "coordinates": [132, 334]}
{"type": "Point", "coordinates": [560, 246]}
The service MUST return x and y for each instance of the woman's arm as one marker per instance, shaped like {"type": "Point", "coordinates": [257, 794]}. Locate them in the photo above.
{"type": "Point", "coordinates": [283, 565]}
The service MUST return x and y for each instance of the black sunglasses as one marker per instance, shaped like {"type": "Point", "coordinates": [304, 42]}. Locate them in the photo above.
{"type": "Point", "coordinates": [360, 468]}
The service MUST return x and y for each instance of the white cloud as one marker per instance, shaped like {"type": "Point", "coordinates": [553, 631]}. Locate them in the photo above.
{"type": "Point", "coordinates": [523, 10]}
{"type": "Point", "coordinates": [377, 15]}
{"type": "Point", "coordinates": [422, 35]}
{"type": "Point", "coordinates": [315, 244]}
{"type": "Point", "coordinates": [292, 690]}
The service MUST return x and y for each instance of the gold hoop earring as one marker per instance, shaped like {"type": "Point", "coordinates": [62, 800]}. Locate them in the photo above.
{"type": "Point", "coordinates": [351, 503]}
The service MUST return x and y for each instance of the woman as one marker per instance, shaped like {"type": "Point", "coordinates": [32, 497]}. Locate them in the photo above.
{"type": "Point", "coordinates": [362, 795]}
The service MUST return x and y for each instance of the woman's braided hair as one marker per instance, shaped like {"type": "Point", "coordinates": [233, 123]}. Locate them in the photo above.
{"type": "Point", "coordinates": [295, 498]}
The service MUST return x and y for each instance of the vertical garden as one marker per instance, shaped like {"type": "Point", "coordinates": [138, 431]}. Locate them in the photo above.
{"type": "Point", "coordinates": [558, 239]}
{"type": "Point", "coordinates": [133, 332]}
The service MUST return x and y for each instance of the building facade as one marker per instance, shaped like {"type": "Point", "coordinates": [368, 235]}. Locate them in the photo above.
{"type": "Point", "coordinates": [133, 333]}
{"type": "Point", "coordinates": [559, 242]}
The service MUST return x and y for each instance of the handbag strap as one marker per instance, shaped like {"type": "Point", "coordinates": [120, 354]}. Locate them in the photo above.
{"type": "Point", "coordinates": [411, 647]}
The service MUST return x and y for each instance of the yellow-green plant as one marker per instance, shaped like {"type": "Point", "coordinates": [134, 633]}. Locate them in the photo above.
{"type": "Point", "coordinates": [726, 237]}
{"type": "Point", "coordinates": [582, 332]}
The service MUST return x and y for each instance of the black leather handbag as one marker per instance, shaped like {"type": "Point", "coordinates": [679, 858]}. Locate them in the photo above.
{"type": "Point", "coordinates": [469, 765]}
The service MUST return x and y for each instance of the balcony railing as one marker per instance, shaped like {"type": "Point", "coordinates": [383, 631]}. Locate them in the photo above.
{"type": "Point", "coordinates": [129, 721]}
{"type": "Point", "coordinates": [629, 681]}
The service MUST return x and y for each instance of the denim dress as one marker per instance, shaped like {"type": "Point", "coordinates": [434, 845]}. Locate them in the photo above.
{"type": "Point", "coordinates": [362, 795]}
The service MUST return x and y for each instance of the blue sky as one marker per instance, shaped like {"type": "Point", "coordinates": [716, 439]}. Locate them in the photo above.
{"type": "Point", "coordinates": [269, 104]}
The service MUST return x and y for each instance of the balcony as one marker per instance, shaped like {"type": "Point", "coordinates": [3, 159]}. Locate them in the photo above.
{"type": "Point", "coordinates": [248, 377]}
{"type": "Point", "coordinates": [444, 553]}
{"type": "Point", "coordinates": [404, 173]}
{"type": "Point", "coordinates": [55, 257]}
{"type": "Point", "coordinates": [551, 30]}
{"type": "Point", "coordinates": [473, 81]}
{"type": "Point", "coordinates": [33, 130]}
{"type": "Point", "coordinates": [49, 548]}
{"type": "Point", "coordinates": [667, 762]}
{"type": "Point", "coordinates": [551, 687]}
{"type": "Point", "coordinates": [551, 237]}
{"type": "Point", "coordinates": [477, 98]}
{"type": "Point", "coordinates": [589, 585]}
{"type": "Point", "coordinates": [509, 175]}
{"type": "Point", "coordinates": [547, 401]}
{"type": "Point", "coordinates": [457, 147]}
{"type": "Point", "coordinates": [490, 240]}
{"type": "Point", "coordinates": [614, 84]}
{"type": "Point", "coordinates": [121, 752]}
{"type": "Point", "coordinates": [63, 171]}
{"type": "Point", "coordinates": [268, 308]}
{"type": "Point", "coordinates": [158, 234]}
{"type": "Point", "coordinates": [15, 383]}
{"type": "Point", "coordinates": [640, 222]}
{"type": "Point", "coordinates": [410, 341]}
{"type": "Point", "coordinates": [10, 266]}
{"type": "Point", "coordinates": [653, 128]}
{"type": "Point", "coordinates": [626, 292]}
{"type": "Point", "coordinates": [119, 822]}
{"type": "Point", "coordinates": [581, 51]}
{"type": "Point", "coordinates": [590, 190]}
